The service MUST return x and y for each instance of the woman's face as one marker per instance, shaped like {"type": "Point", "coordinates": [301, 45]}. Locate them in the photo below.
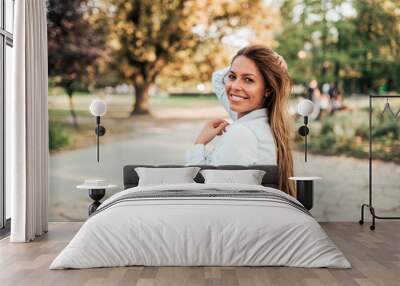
{"type": "Point", "coordinates": [245, 86]}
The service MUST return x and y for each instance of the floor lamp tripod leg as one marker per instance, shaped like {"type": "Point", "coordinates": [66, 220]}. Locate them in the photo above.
{"type": "Point", "coordinates": [361, 221]}
{"type": "Point", "coordinates": [372, 210]}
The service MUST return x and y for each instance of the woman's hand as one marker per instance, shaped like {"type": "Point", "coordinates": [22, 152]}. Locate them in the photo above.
{"type": "Point", "coordinates": [211, 129]}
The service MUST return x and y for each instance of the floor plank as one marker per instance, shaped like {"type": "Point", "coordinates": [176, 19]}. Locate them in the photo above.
{"type": "Point", "coordinates": [374, 255]}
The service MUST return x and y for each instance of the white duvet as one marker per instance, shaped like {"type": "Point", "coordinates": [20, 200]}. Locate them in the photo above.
{"type": "Point", "coordinates": [200, 231]}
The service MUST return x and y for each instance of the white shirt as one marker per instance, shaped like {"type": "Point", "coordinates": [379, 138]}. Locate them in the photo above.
{"type": "Point", "coordinates": [247, 141]}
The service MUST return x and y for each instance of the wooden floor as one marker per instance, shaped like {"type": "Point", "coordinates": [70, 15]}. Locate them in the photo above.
{"type": "Point", "coordinates": [375, 257]}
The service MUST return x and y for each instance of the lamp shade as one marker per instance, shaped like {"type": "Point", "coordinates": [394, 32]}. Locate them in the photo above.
{"type": "Point", "coordinates": [98, 107]}
{"type": "Point", "coordinates": [305, 107]}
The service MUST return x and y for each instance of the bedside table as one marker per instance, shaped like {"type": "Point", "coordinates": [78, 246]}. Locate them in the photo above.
{"type": "Point", "coordinates": [305, 192]}
{"type": "Point", "coordinates": [96, 193]}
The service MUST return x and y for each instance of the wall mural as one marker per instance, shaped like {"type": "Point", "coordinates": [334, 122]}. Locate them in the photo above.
{"type": "Point", "coordinates": [155, 79]}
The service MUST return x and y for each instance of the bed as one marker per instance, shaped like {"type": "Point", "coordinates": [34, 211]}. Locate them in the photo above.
{"type": "Point", "coordinates": [198, 224]}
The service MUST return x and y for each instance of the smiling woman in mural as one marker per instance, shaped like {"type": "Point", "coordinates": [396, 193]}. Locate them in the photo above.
{"type": "Point", "coordinates": [254, 90]}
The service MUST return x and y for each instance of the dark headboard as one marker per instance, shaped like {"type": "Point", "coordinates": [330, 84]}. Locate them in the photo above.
{"type": "Point", "coordinates": [271, 177]}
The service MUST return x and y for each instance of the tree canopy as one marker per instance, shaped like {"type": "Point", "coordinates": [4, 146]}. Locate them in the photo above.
{"type": "Point", "coordinates": [75, 47]}
{"type": "Point", "coordinates": [181, 42]}
{"type": "Point", "coordinates": [353, 42]}
{"type": "Point", "coordinates": [177, 38]}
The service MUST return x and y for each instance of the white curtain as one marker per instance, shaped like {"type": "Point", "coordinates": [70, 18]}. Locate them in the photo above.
{"type": "Point", "coordinates": [27, 122]}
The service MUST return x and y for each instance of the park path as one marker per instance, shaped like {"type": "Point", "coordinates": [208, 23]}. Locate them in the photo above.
{"type": "Point", "coordinates": [338, 196]}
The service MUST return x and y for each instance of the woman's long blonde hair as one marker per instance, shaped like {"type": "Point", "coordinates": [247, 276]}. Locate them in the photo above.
{"type": "Point", "coordinates": [278, 84]}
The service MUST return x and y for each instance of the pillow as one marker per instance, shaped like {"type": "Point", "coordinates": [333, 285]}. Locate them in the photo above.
{"type": "Point", "coordinates": [248, 177]}
{"type": "Point", "coordinates": [163, 176]}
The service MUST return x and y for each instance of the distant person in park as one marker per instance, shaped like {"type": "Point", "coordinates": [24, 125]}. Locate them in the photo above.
{"type": "Point", "coordinates": [254, 90]}
{"type": "Point", "coordinates": [333, 89]}
{"type": "Point", "coordinates": [321, 100]}
{"type": "Point", "coordinates": [313, 92]}
{"type": "Point", "coordinates": [337, 99]}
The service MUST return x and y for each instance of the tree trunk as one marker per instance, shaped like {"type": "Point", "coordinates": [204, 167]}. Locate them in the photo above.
{"type": "Point", "coordinates": [141, 105]}
{"type": "Point", "coordinates": [71, 108]}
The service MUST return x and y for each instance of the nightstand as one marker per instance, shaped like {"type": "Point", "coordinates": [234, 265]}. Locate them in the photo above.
{"type": "Point", "coordinates": [305, 193]}
{"type": "Point", "coordinates": [96, 193]}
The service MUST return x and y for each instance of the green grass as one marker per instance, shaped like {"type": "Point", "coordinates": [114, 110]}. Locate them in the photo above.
{"type": "Point", "coordinates": [59, 136]}
{"type": "Point", "coordinates": [184, 101]}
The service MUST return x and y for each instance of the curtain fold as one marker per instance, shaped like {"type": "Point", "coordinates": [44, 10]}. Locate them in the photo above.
{"type": "Point", "coordinates": [28, 121]}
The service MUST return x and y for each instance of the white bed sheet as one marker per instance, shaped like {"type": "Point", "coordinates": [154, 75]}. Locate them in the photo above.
{"type": "Point", "coordinates": [200, 231]}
